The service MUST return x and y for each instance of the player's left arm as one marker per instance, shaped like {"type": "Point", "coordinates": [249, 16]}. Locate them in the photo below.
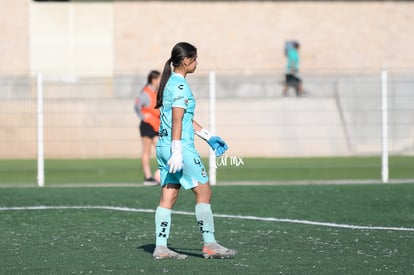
{"type": "Point", "coordinates": [216, 143]}
{"type": "Point", "coordinates": [197, 127]}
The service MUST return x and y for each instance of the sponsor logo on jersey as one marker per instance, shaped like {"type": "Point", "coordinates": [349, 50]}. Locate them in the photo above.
{"type": "Point", "coordinates": [178, 98]}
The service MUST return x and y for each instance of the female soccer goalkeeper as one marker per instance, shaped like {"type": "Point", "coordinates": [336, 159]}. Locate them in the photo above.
{"type": "Point", "coordinates": [179, 163]}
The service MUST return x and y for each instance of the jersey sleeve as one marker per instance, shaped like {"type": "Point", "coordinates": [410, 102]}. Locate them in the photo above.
{"type": "Point", "coordinates": [181, 94]}
{"type": "Point", "coordinates": [142, 100]}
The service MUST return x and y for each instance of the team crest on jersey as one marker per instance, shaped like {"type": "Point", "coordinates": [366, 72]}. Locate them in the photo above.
{"type": "Point", "coordinates": [203, 172]}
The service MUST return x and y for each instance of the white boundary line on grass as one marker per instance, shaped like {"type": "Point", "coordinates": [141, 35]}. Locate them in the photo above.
{"type": "Point", "coordinates": [225, 183]}
{"type": "Point", "coordinates": [268, 219]}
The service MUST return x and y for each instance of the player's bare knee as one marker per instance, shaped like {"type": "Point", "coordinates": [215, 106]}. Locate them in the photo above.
{"type": "Point", "coordinates": [203, 195]}
{"type": "Point", "coordinates": [168, 203]}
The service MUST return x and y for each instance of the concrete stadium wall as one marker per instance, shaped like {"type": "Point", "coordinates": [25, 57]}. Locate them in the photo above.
{"type": "Point", "coordinates": [100, 37]}
{"type": "Point", "coordinates": [94, 118]}
{"type": "Point", "coordinates": [14, 36]}
{"type": "Point", "coordinates": [236, 36]}
{"type": "Point", "coordinates": [71, 37]}
{"type": "Point", "coordinates": [105, 129]}
{"type": "Point", "coordinates": [241, 40]}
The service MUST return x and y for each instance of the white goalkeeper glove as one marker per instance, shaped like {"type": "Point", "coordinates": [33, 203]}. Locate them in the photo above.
{"type": "Point", "coordinates": [176, 160]}
{"type": "Point", "coordinates": [218, 145]}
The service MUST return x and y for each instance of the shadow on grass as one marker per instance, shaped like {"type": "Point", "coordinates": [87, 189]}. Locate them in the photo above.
{"type": "Point", "coordinates": [149, 248]}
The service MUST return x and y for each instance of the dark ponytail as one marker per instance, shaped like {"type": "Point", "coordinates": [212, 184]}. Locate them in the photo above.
{"type": "Point", "coordinates": [166, 73]}
{"type": "Point", "coordinates": [179, 52]}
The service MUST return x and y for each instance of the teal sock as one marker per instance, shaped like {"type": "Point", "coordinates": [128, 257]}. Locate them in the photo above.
{"type": "Point", "coordinates": [162, 225]}
{"type": "Point", "coordinates": [205, 221]}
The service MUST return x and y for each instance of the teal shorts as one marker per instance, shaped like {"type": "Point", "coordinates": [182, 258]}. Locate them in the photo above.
{"type": "Point", "coordinates": [193, 173]}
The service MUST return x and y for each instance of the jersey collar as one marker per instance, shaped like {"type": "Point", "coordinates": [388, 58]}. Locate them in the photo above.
{"type": "Point", "coordinates": [177, 74]}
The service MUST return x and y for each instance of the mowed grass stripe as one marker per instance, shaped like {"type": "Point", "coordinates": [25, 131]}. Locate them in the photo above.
{"type": "Point", "coordinates": [92, 171]}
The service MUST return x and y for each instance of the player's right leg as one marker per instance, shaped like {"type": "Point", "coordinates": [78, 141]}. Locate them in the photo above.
{"type": "Point", "coordinates": [169, 195]}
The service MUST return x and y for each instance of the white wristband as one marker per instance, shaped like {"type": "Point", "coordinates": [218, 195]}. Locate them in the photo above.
{"type": "Point", "coordinates": [204, 134]}
{"type": "Point", "coordinates": [176, 146]}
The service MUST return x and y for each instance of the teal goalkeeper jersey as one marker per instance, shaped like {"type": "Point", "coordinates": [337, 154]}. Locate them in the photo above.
{"type": "Point", "coordinates": [177, 93]}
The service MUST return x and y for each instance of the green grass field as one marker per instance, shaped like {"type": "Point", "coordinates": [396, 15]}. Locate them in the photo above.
{"type": "Point", "coordinates": [254, 169]}
{"type": "Point", "coordinates": [98, 241]}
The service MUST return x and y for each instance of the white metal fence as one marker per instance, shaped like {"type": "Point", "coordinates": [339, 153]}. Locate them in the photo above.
{"type": "Point", "coordinates": [74, 117]}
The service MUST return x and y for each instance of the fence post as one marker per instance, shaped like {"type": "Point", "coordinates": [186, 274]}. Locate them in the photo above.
{"type": "Point", "coordinates": [212, 122]}
{"type": "Point", "coordinates": [40, 140]}
{"type": "Point", "coordinates": [384, 121]}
